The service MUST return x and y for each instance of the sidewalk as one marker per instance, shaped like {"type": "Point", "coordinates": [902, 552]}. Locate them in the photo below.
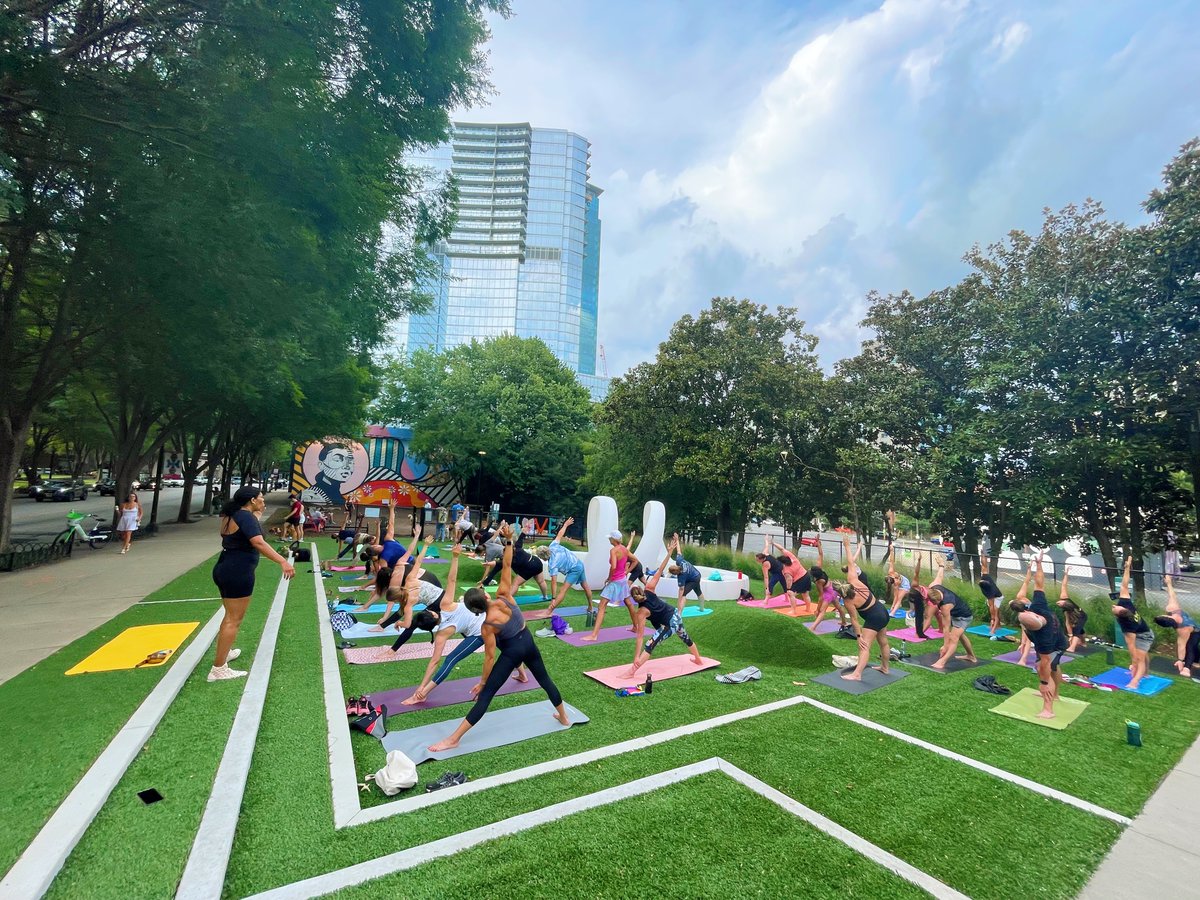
{"type": "Point", "coordinates": [47, 607]}
{"type": "Point", "coordinates": [1157, 855]}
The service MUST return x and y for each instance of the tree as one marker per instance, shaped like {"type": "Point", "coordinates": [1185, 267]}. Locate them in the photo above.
{"type": "Point", "coordinates": [504, 414]}
{"type": "Point", "coordinates": [702, 427]}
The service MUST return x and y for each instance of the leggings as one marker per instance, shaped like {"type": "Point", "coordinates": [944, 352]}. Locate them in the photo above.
{"type": "Point", "coordinates": [918, 609]}
{"type": "Point", "coordinates": [675, 626]}
{"type": "Point", "coordinates": [1191, 650]}
{"type": "Point", "coordinates": [513, 652]}
{"type": "Point", "coordinates": [773, 582]}
{"type": "Point", "coordinates": [468, 646]}
{"type": "Point", "coordinates": [435, 606]}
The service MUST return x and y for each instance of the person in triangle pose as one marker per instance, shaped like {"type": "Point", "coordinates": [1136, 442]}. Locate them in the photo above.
{"type": "Point", "coordinates": [665, 619]}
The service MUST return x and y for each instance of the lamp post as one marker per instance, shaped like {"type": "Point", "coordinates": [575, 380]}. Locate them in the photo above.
{"type": "Point", "coordinates": [479, 479]}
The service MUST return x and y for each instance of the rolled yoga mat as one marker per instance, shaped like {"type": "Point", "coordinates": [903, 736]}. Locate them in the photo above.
{"type": "Point", "coordinates": [362, 656]}
{"type": "Point", "coordinates": [447, 693]}
{"type": "Point", "coordinates": [1120, 678]}
{"type": "Point", "coordinates": [662, 668]}
{"type": "Point", "coordinates": [872, 678]}
{"type": "Point", "coordinates": [606, 636]}
{"type": "Point", "coordinates": [498, 728]}
{"type": "Point", "coordinates": [1027, 703]}
{"type": "Point", "coordinates": [1014, 657]}
{"type": "Point", "coordinates": [926, 661]}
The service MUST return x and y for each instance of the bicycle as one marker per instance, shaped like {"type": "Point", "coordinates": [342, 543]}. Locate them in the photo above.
{"type": "Point", "coordinates": [97, 536]}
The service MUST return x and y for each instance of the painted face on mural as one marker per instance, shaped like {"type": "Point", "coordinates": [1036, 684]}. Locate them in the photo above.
{"type": "Point", "coordinates": [337, 463]}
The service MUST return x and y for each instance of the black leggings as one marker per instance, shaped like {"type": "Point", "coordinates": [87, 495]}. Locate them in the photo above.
{"type": "Point", "coordinates": [918, 609]}
{"type": "Point", "coordinates": [1191, 650]}
{"type": "Point", "coordinates": [435, 606]}
{"type": "Point", "coordinates": [513, 653]}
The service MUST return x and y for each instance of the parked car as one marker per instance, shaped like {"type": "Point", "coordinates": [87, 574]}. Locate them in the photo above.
{"type": "Point", "coordinates": [62, 489]}
{"type": "Point", "coordinates": [34, 491]}
{"type": "Point", "coordinates": [106, 488]}
{"type": "Point", "coordinates": [201, 480]}
{"type": "Point", "coordinates": [810, 542]}
{"type": "Point", "coordinates": [170, 480]}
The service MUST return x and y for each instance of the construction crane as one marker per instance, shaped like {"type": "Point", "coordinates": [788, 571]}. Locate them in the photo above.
{"type": "Point", "coordinates": [603, 361]}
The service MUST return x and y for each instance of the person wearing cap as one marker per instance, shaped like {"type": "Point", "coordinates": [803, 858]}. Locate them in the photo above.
{"type": "Point", "coordinates": [1045, 633]}
{"type": "Point", "coordinates": [1139, 636]}
{"type": "Point", "coordinates": [616, 586]}
{"type": "Point", "coordinates": [561, 561]}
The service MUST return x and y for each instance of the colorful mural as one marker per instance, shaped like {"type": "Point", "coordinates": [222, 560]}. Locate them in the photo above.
{"type": "Point", "coordinates": [332, 471]}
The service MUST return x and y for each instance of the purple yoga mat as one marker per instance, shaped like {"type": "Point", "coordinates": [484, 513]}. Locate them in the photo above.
{"type": "Point", "coordinates": [828, 626]}
{"type": "Point", "coordinates": [607, 636]}
{"type": "Point", "coordinates": [447, 693]}
{"type": "Point", "coordinates": [1013, 656]}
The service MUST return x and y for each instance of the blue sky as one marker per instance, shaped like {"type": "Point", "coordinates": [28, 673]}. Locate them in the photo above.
{"type": "Point", "coordinates": [803, 154]}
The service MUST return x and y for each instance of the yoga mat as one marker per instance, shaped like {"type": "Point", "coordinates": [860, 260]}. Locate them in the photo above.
{"type": "Point", "coordinates": [1026, 704]}
{"type": "Point", "coordinates": [565, 611]}
{"type": "Point", "coordinates": [1163, 664]}
{"type": "Point", "coordinates": [526, 588]}
{"type": "Point", "coordinates": [133, 645]}
{"type": "Point", "coordinates": [362, 630]}
{"type": "Point", "coordinates": [350, 577]}
{"type": "Point", "coordinates": [1014, 656]}
{"type": "Point", "coordinates": [983, 631]}
{"type": "Point", "coordinates": [898, 614]}
{"type": "Point", "coordinates": [447, 693]}
{"type": "Point", "coordinates": [802, 610]}
{"type": "Point", "coordinates": [531, 599]}
{"type": "Point", "coordinates": [662, 669]}
{"type": "Point", "coordinates": [872, 678]}
{"type": "Point", "coordinates": [498, 728]}
{"type": "Point", "coordinates": [910, 636]}
{"type": "Point", "coordinates": [1119, 678]}
{"type": "Point", "coordinates": [352, 607]}
{"type": "Point", "coordinates": [606, 636]}
{"type": "Point", "coordinates": [362, 656]}
{"type": "Point", "coordinates": [353, 588]}
{"type": "Point", "coordinates": [347, 568]}
{"type": "Point", "coordinates": [690, 612]}
{"type": "Point", "coordinates": [926, 661]}
{"type": "Point", "coordinates": [828, 626]}
{"type": "Point", "coordinates": [772, 603]}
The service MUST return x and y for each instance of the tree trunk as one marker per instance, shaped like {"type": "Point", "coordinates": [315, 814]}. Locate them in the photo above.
{"type": "Point", "coordinates": [1100, 533]}
{"type": "Point", "coordinates": [741, 541]}
{"type": "Point", "coordinates": [12, 441]}
{"type": "Point", "coordinates": [1137, 545]}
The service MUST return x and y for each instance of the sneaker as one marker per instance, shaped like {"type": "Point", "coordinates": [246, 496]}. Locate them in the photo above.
{"type": "Point", "coordinates": [448, 779]}
{"type": "Point", "coordinates": [364, 705]}
{"type": "Point", "coordinates": [224, 673]}
{"type": "Point", "coordinates": [232, 655]}
{"type": "Point", "coordinates": [352, 706]}
{"type": "Point", "coordinates": [569, 630]}
{"type": "Point", "coordinates": [545, 632]}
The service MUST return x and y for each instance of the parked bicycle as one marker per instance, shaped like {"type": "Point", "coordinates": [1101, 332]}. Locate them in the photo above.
{"type": "Point", "coordinates": [95, 536]}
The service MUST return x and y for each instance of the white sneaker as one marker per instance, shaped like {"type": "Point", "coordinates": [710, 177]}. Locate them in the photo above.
{"type": "Point", "coordinates": [545, 632]}
{"type": "Point", "coordinates": [232, 655]}
{"type": "Point", "coordinates": [224, 673]}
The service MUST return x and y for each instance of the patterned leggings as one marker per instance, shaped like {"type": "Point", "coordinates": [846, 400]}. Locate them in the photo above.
{"type": "Point", "coordinates": [675, 626]}
{"type": "Point", "coordinates": [468, 646]}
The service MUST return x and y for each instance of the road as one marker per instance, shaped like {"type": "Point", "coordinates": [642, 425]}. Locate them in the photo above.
{"type": "Point", "coordinates": [33, 520]}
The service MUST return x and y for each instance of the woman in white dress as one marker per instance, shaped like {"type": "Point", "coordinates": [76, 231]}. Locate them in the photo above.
{"type": "Point", "coordinates": [131, 518]}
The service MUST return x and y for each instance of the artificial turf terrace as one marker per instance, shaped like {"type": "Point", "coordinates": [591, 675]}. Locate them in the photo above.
{"type": "Point", "coordinates": [706, 836]}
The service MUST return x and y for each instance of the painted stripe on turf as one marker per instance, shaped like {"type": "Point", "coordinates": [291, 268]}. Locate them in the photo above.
{"type": "Point", "coordinates": [42, 860]}
{"type": "Point", "coordinates": [408, 859]}
{"type": "Point", "coordinates": [204, 875]}
{"type": "Point", "coordinates": [1018, 780]}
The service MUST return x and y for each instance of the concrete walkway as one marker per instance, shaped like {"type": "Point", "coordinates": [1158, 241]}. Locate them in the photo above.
{"type": "Point", "coordinates": [1157, 856]}
{"type": "Point", "coordinates": [47, 607]}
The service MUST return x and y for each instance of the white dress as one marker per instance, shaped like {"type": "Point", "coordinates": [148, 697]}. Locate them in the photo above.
{"type": "Point", "coordinates": [129, 520]}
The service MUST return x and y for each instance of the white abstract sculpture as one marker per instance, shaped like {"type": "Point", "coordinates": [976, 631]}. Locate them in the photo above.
{"type": "Point", "coordinates": [652, 549]}
{"type": "Point", "coordinates": [602, 519]}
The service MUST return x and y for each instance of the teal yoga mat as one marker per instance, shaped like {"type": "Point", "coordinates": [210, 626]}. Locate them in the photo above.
{"type": "Point", "coordinates": [983, 631]}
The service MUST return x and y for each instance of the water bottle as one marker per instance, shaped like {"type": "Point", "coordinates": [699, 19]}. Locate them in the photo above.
{"type": "Point", "coordinates": [649, 684]}
{"type": "Point", "coordinates": [1133, 734]}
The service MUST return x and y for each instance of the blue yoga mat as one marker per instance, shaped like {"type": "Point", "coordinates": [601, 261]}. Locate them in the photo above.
{"type": "Point", "coordinates": [690, 612]}
{"type": "Point", "coordinates": [985, 631]}
{"type": "Point", "coordinates": [351, 578]}
{"type": "Point", "coordinates": [900, 614]}
{"type": "Point", "coordinates": [374, 608]}
{"type": "Point", "coordinates": [1119, 678]}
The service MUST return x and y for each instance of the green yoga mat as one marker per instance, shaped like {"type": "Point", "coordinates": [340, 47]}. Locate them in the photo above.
{"type": "Point", "coordinates": [1026, 704]}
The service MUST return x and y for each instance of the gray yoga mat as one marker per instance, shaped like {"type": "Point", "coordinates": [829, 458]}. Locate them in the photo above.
{"type": "Point", "coordinates": [872, 678]}
{"type": "Point", "coordinates": [1163, 665]}
{"type": "Point", "coordinates": [926, 661]}
{"type": "Point", "coordinates": [498, 728]}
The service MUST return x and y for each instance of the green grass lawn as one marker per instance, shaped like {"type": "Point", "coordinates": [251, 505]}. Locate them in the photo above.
{"type": "Point", "coordinates": [708, 837]}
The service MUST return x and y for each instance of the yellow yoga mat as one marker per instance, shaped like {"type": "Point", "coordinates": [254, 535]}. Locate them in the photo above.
{"type": "Point", "coordinates": [136, 645]}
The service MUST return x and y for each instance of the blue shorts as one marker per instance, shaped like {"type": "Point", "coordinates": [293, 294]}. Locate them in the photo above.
{"type": "Point", "coordinates": [574, 575]}
{"type": "Point", "coordinates": [616, 591]}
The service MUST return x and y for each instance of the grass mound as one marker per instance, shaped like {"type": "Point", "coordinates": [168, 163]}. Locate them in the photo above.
{"type": "Point", "coordinates": [759, 638]}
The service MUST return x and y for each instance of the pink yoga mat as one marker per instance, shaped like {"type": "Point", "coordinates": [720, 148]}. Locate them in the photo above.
{"type": "Point", "coordinates": [347, 568]}
{"type": "Point", "coordinates": [446, 694]}
{"type": "Point", "coordinates": [770, 603]}
{"type": "Point", "coordinates": [910, 635]}
{"type": "Point", "coordinates": [662, 669]}
{"type": "Point", "coordinates": [360, 656]}
{"type": "Point", "coordinates": [606, 636]}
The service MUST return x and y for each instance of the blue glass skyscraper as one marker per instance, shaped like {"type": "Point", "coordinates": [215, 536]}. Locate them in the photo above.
{"type": "Point", "coordinates": [524, 256]}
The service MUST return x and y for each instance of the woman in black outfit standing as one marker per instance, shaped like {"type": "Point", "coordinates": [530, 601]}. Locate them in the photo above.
{"type": "Point", "coordinates": [241, 543]}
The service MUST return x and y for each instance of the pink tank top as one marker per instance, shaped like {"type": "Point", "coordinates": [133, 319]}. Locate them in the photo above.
{"type": "Point", "coordinates": [622, 567]}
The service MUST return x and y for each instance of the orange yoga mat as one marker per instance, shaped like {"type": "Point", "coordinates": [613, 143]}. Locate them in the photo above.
{"type": "Point", "coordinates": [134, 647]}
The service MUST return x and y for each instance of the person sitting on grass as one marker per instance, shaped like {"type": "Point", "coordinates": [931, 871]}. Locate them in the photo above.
{"type": "Point", "coordinates": [829, 597]}
{"type": "Point", "coordinates": [1076, 617]}
{"type": "Point", "coordinates": [1046, 634]}
{"type": "Point", "coordinates": [686, 575]}
{"type": "Point", "coordinates": [1139, 636]}
{"type": "Point", "coordinates": [561, 561]}
{"type": "Point", "coordinates": [666, 621]}
{"type": "Point", "coordinates": [503, 630]}
{"type": "Point", "coordinates": [960, 616]}
{"type": "Point", "coordinates": [1187, 635]}
{"type": "Point", "coordinates": [860, 602]}
{"type": "Point", "coordinates": [450, 618]}
{"type": "Point", "coordinates": [991, 594]}
{"type": "Point", "coordinates": [616, 586]}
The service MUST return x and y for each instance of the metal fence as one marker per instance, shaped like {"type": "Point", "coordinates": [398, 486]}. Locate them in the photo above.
{"type": "Point", "coordinates": [24, 554]}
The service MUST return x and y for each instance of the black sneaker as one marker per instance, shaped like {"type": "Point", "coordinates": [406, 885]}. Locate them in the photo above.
{"type": "Point", "coordinates": [448, 779]}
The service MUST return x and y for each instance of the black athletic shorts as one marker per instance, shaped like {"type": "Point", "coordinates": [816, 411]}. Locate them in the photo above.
{"type": "Point", "coordinates": [875, 617]}
{"type": "Point", "coordinates": [803, 584]}
{"type": "Point", "coordinates": [526, 567]}
{"type": "Point", "coordinates": [637, 574]}
{"type": "Point", "coordinates": [293, 520]}
{"type": "Point", "coordinates": [234, 574]}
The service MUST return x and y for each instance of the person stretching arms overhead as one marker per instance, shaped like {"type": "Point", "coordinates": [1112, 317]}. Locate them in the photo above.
{"type": "Point", "coordinates": [829, 598]}
{"type": "Point", "coordinates": [773, 579]}
{"type": "Point", "coordinates": [686, 575]}
{"type": "Point", "coordinates": [561, 561]}
{"type": "Point", "coordinates": [617, 585]}
{"type": "Point", "coordinates": [1076, 617]}
{"type": "Point", "coordinates": [1046, 634]}
{"type": "Point", "coordinates": [991, 593]}
{"type": "Point", "coordinates": [795, 576]}
{"type": "Point", "coordinates": [665, 620]}
{"type": "Point", "coordinates": [923, 606]}
{"type": "Point", "coordinates": [874, 620]}
{"type": "Point", "coordinates": [960, 616]}
{"type": "Point", "coordinates": [898, 584]}
{"type": "Point", "coordinates": [504, 630]}
{"type": "Point", "coordinates": [1187, 635]}
{"type": "Point", "coordinates": [1139, 636]}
